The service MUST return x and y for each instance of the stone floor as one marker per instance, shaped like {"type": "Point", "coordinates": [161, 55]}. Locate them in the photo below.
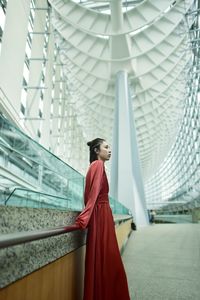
{"type": "Point", "coordinates": [162, 262]}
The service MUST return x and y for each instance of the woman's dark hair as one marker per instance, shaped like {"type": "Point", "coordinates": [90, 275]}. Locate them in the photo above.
{"type": "Point", "coordinates": [94, 146]}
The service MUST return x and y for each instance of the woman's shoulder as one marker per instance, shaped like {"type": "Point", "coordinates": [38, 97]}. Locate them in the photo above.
{"type": "Point", "coordinates": [96, 164]}
{"type": "Point", "coordinates": [97, 161]}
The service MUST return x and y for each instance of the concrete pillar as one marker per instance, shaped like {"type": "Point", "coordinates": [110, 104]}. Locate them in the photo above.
{"type": "Point", "coordinates": [126, 179]}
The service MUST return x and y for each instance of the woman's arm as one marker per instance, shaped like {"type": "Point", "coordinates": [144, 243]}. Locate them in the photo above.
{"type": "Point", "coordinates": [94, 188]}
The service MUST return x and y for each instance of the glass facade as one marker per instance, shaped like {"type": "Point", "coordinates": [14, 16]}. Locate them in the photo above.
{"type": "Point", "coordinates": [176, 185]}
{"type": "Point", "coordinates": [23, 109]}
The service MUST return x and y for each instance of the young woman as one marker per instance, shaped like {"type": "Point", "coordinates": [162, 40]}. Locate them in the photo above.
{"type": "Point", "coordinates": [105, 278]}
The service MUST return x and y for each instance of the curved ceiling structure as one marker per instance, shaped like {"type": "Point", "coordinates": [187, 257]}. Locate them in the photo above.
{"type": "Point", "coordinates": [96, 39]}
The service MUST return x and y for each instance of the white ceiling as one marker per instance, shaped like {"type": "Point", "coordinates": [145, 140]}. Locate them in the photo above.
{"type": "Point", "coordinates": [148, 39]}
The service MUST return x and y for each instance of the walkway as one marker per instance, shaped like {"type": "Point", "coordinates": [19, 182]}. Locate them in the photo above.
{"type": "Point", "coordinates": [162, 262]}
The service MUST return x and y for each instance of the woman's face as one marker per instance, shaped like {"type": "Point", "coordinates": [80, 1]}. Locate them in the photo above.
{"type": "Point", "coordinates": [105, 152]}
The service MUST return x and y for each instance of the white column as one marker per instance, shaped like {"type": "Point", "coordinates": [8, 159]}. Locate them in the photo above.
{"type": "Point", "coordinates": [12, 56]}
{"type": "Point", "coordinates": [126, 179]}
{"type": "Point", "coordinates": [116, 15]}
{"type": "Point", "coordinates": [60, 150]}
{"type": "Point", "coordinates": [45, 132]}
{"type": "Point", "coordinates": [54, 137]}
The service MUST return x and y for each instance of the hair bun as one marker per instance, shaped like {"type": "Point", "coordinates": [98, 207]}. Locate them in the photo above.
{"type": "Point", "coordinates": [89, 144]}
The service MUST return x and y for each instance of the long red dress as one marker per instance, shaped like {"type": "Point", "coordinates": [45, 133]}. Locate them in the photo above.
{"type": "Point", "coordinates": [105, 277]}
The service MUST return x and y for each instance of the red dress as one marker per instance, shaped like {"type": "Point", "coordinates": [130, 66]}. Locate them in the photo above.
{"type": "Point", "coordinates": [105, 278]}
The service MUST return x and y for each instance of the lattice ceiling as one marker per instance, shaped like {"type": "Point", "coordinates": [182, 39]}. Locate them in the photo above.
{"type": "Point", "coordinates": [148, 39]}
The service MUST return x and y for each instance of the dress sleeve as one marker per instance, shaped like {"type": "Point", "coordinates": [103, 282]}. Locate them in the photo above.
{"type": "Point", "coordinates": [95, 180]}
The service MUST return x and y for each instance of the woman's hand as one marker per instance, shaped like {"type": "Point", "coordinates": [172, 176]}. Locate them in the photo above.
{"type": "Point", "coordinates": [72, 227]}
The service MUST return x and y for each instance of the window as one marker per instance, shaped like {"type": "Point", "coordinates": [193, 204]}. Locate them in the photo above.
{"type": "Point", "coordinates": [27, 62]}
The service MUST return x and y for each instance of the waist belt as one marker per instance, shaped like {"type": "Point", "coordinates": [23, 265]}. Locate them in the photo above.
{"type": "Point", "coordinates": [103, 201]}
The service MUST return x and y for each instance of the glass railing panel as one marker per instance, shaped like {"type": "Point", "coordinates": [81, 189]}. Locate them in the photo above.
{"type": "Point", "coordinates": [28, 198]}
{"type": "Point", "coordinates": [117, 207]}
{"type": "Point", "coordinates": [27, 159]}
{"type": "Point", "coordinates": [53, 183]}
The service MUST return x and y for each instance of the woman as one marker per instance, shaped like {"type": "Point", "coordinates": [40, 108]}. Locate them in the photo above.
{"type": "Point", "coordinates": [105, 278]}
